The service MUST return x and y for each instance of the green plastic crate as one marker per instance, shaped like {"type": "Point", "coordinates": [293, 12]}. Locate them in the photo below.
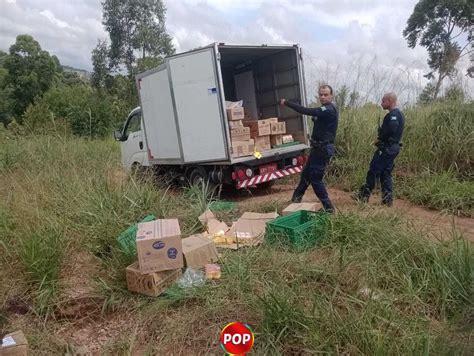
{"type": "Point", "coordinates": [283, 145]}
{"type": "Point", "coordinates": [126, 239]}
{"type": "Point", "coordinates": [299, 230]}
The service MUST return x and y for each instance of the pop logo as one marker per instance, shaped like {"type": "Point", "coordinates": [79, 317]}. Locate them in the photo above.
{"type": "Point", "coordinates": [237, 339]}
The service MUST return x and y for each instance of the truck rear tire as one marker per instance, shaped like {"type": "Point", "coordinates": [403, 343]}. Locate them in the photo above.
{"type": "Point", "coordinates": [199, 176]}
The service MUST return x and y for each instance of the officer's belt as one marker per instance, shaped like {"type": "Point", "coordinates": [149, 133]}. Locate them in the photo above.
{"type": "Point", "coordinates": [320, 143]}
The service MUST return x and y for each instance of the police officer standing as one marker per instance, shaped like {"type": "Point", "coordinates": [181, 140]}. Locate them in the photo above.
{"type": "Point", "coordinates": [325, 120]}
{"type": "Point", "coordinates": [388, 146]}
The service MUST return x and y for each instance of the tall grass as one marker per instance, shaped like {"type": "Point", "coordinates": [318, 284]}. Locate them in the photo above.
{"type": "Point", "coordinates": [374, 285]}
{"type": "Point", "coordinates": [42, 254]}
{"type": "Point", "coordinates": [438, 138]}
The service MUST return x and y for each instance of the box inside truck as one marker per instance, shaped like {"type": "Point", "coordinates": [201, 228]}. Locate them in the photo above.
{"type": "Point", "coordinates": [260, 77]}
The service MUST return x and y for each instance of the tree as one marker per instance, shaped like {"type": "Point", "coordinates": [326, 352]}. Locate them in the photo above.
{"type": "Point", "coordinates": [342, 97]}
{"type": "Point", "coordinates": [3, 56]}
{"type": "Point", "coordinates": [439, 26]}
{"type": "Point", "coordinates": [30, 72]}
{"type": "Point", "coordinates": [427, 95]}
{"type": "Point", "coordinates": [135, 27]}
{"type": "Point", "coordinates": [100, 64]}
{"type": "Point", "coordinates": [346, 98]}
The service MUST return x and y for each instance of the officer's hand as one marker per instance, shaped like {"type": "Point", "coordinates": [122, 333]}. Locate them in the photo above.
{"type": "Point", "coordinates": [282, 102]}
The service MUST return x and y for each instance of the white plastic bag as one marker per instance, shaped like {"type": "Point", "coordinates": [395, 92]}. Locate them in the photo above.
{"type": "Point", "coordinates": [233, 104]}
{"type": "Point", "coordinates": [192, 278]}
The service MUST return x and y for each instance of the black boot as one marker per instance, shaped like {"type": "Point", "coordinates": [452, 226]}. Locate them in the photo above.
{"type": "Point", "coordinates": [362, 195]}
{"type": "Point", "coordinates": [296, 199]}
{"type": "Point", "coordinates": [328, 210]}
{"type": "Point", "coordinates": [387, 198]}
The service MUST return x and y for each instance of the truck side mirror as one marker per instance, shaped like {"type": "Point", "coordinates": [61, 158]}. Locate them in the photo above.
{"type": "Point", "coordinates": [118, 135]}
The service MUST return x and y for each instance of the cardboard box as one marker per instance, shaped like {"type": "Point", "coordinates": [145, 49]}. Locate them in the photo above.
{"type": "Point", "coordinates": [159, 245]}
{"type": "Point", "coordinates": [249, 229]}
{"type": "Point", "coordinates": [258, 127]}
{"type": "Point", "coordinates": [236, 123]}
{"type": "Point", "coordinates": [199, 251]}
{"type": "Point", "coordinates": [287, 138]}
{"type": "Point", "coordinates": [213, 225]}
{"type": "Point", "coordinates": [240, 134]}
{"type": "Point", "coordinates": [151, 284]}
{"type": "Point", "coordinates": [262, 143]}
{"type": "Point", "coordinates": [300, 206]}
{"type": "Point", "coordinates": [14, 344]}
{"type": "Point", "coordinates": [278, 128]}
{"type": "Point", "coordinates": [276, 140]}
{"type": "Point", "coordinates": [242, 148]}
{"type": "Point", "coordinates": [272, 119]}
{"type": "Point", "coordinates": [235, 113]}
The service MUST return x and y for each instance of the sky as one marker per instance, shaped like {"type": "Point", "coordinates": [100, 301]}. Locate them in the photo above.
{"type": "Point", "coordinates": [340, 38]}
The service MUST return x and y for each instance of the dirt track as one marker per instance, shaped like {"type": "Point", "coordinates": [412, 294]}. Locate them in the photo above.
{"type": "Point", "coordinates": [437, 223]}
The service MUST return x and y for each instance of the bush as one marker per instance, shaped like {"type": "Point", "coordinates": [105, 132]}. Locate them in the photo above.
{"type": "Point", "coordinates": [86, 111]}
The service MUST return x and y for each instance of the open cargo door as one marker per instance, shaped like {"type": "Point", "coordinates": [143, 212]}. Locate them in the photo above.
{"type": "Point", "coordinates": [198, 106]}
{"type": "Point", "coordinates": [159, 118]}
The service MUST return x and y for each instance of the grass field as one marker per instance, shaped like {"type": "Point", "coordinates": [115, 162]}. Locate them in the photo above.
{"type": "Point", "coordinates": [375, 285]}
{"type": "Point", "coordinates": [435, 166]}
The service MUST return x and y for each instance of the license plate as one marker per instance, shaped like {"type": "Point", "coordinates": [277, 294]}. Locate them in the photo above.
{"type": "Point", "coordinates": [269, 168]}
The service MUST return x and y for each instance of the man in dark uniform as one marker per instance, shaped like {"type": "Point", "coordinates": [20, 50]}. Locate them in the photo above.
{"type": "Point", "coordinates": [388, 147]}
{"type": "Point", "coordinates": [325, 120]}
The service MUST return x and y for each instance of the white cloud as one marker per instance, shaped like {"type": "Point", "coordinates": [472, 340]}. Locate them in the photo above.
{"type": "Point", "coordinates": [54, 20]}
{"type": "Point", "coordinates": [336, 35]}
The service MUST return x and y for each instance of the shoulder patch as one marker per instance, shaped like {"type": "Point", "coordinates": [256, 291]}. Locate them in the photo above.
{"type": "Point", "coordinates": [393, 118]}
{"type": "Point", "coordinates": [323, 108]}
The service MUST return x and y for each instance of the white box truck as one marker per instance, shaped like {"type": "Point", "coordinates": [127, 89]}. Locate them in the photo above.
{"type": "Point", "coordinates": [182, 127]}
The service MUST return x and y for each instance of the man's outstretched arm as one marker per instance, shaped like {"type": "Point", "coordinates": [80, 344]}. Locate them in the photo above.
{"type": "Point", "coordinates": [317, 112]}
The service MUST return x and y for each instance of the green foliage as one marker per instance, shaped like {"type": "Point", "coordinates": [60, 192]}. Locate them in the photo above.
{"type": "Point", "coordinates": [345, 98]}
{"type": "Point", "coordinates": [441, 191]}
{"type": "Point", "coordinates": [42, 255]}
{"type": "Point", "coordinates": [100, 63]}
{"type": "Point", "coordinates": [30, 72]}
{"type": "Point", "coordinates": [135, 26]}
{"type": "Point", "coordinates": [143, 64]}
{"type": "Point", "coordinates": [85, 111]}
{"type": "Point", "coordinates": [375, 284]}
{"type": "Point", "coordinates": [428, 94]}
{"type": "Point", "coordinates": [438, 138]}
{"type": "Point", "coordinates": [454, 93]}
{"type": "Point", "coordinates": [435, 25]}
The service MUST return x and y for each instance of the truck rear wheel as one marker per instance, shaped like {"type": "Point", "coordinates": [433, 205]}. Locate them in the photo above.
{"type": "Point", "coordinates": [199, 176]}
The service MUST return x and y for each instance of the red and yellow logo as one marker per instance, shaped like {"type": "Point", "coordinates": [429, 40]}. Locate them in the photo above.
{"type": "Point", "coordinates": [237, 338]}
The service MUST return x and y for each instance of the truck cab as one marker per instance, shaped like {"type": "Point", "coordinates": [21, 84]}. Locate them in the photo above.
{"type": "Point", "coordinates": [132, 140]}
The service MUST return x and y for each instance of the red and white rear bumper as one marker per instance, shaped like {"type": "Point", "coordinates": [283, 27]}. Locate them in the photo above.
{"type": "Point", "coordinates": [262, 178]}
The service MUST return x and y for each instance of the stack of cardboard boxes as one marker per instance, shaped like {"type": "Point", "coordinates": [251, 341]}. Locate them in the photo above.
{"type": "Point", "coordinates": [242, 143]}
{"type": "Point", "coordinates": [249, 135]}
{"type": "Point", "coordinates": [162, 254]}
{"type": "Point", "coordinates": [266, 133]}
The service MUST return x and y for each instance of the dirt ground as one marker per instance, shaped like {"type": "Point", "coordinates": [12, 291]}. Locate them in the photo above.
{"type": "Point", "coordinates": [438, 223]}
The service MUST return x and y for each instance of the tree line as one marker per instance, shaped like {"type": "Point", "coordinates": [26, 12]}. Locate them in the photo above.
{"type": "Point", "coordinates": [37, 94]}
